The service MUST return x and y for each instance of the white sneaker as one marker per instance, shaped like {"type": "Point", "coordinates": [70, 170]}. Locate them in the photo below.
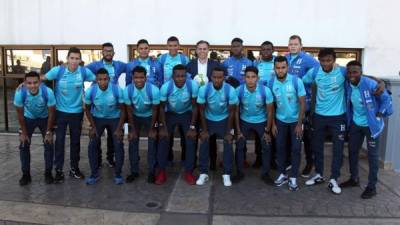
{"type": "Point", "coordinates": [282, 179]}
{"type": "Point", "coordinates": [226, 179]}
{"type": "Point", "coordinates": [334, 187]}
{"type": "Point", "coordinates": [293, 184]}
{"type": "Point", "coordinates": [203, 178]}
{"type": "Point", "coordinates": [317, 179]}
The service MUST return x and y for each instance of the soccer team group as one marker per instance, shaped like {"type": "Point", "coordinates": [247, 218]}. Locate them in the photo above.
{"type": "Point", "coordinates": [281, 101]}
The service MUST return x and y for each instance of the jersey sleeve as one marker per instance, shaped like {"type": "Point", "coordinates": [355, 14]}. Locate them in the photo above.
{"type": "Point", "coordinates": [233, 98]}
{"type": "Point", "coordinates": [308, 79]}
{"type": "Point", "coordinates": [18, 99]}
{"type": "Point", "coordinates": [89, 75]}
{"type": "Point", "coordinates": [269, 98]}
{"type": "Point", "coordinates": [87, 99]}
{"type": "Point", "coordinates": [301, 91]}
{"type": "Point", "coordinates": [51, 100]}
{"type": "Point", "coordinates": [156, 95]}
{"type": "Point", "coordinates": [201, 96]}
{"type": "Point", "coordinates": [127, 98]}
{"type": "Point", "coordinates": [163, 92]}
{"type": "Point", "coordinates": [195, 89]}
{"type": "Point", "coordinates": [121, 99]}
{"type": "Point", "coordinates": [52, 74]}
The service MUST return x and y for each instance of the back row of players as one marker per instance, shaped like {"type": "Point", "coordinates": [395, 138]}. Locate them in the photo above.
{"type": "Point", "coordinates": [271, 97]}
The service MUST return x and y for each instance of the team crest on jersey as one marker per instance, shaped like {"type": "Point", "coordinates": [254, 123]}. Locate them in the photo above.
{"type": "Point", "coordinates": [367, 94]}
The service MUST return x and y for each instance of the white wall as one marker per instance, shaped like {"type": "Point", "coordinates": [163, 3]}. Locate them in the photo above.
{"type": "Point", "coordinates": [364, 24]}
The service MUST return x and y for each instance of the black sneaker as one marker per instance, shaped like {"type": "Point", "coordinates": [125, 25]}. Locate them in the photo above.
{"type": "Point", "coordinates": [151, 178]}
{"type": "Point", "coordinates": [350, 183]}
{"type": "Point", "coordinates": [307, 171]}
{"type": "Point", "coordinates": [238, 177]}
{"type": "Point", "coordinates": [76, 173]}
{"type": "Point", "coordinates": [131, 177]}
{"type": "Point", "coordinates": [267, 179]}
{"type": "Point", "coordinates": [48, 178]}
{"type": "Point", "coordinates": [257, 164]}
{"type": "Point", "coordinates": [25, 179]}
{"type": "Point", "coordinates": [59, 178]}
{"type": "Point", "coordinates": [111, 163]}
{"type": "Point", "coordinates": [368, 193]}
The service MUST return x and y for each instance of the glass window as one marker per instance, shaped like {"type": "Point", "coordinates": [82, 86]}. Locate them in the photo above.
{"type": "Point", "coordinates": [22, 61]}
{"type": "Point", "coordinates": [18, 62]}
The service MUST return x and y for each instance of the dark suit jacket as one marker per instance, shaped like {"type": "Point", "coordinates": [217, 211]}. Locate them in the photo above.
{"type": "Point", "coordinates": [192, 67]}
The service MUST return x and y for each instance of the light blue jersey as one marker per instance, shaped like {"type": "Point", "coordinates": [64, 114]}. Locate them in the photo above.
{"type": "Point", "coordinates": [217, 101]}
{"type": "Point", "coordinates": [168, 62]}
{"type": "Point", "coordinates": [140, 100]}
{"type": "Point", "coordinates": [105, 103]}
{"type": "Point", "coordinates": [69, 88]}
{"type": "Point", "coordinates": [179, 100]}
{"type": "Point", "coordinates": [330, 99]}
{"type": "Point", "coordinates": [110, 69]}
{"type": "Point", "coordinates": [265, 69]}
{"type": "Point", "coordinates": [287, 98]}
{"type": "Point", "coordinates": [35, 106]}
{"type": "Point", "coordinates": [359, 109]}
{"type": "Point", "coordinates": [253, 104]}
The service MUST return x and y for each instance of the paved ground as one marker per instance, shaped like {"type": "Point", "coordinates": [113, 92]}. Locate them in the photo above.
{"type": "Point", "coordinates": [175, 203]}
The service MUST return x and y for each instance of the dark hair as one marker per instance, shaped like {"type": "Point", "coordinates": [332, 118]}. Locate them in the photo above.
{"type": "Point", "coordinates": [32, 74]}
{"type": "Point", "coordinates": [294, 37]}
{"type": "Point", "coordinates": [202, 42]}
{"type": "Point", "coordinates": [354, 63]}
{"type": "Point", "coordinates": [214, 55]}
{"type": "Point", "coordinates": [281, 59]}
{"type": "Point", "coordinates": [107, 44]}
{"type": "Point", "coordinates": [178, 67]}
{"type": "Point", "coordinates": [74, 50]}
{"type": "Point", "coordinates": [142, 41]}
{"type": "Point", "coordinates": [172, 38]}
{"type": "Point", "coordinates": [267, 43]}
{"type": "Point", "coordinates": [219, 69]}
{"type": "Point", "coordinates": [139, 69]}
{"type": "Point", "coordinates": [102, 71]}
{"type": "Point", "coordinates": [325, 52]}
{"type": "Point", "coordinates": [236, 39]}
{"type": "Point", "coordinates": [251, 69]}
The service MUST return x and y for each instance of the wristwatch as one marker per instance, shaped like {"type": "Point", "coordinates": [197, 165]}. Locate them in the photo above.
{"type": "Point", "coordinates": [193, 127]}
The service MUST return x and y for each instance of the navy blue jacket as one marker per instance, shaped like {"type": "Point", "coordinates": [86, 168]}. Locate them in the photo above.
{"type": "Point", "coordinates": [373, 104]}
{"type": "Point", "coordinates": [119, 68]}
{"type": "Point", "coordinates": [192, 67]}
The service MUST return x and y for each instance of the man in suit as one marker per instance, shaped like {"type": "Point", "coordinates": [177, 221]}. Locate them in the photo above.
{"type": "Point", "coordinates": [200, 69]}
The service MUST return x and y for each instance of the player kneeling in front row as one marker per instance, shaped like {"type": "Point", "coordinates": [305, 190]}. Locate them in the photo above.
{"type": "Point", "coordinates": [255, 114]}
{"type": "Point", "coordinates": [217, 104]}
{"type": "Point", "coordinates": [178, 95]}
{"type": "Point", "coordinates": [35, 104]}
{"type": "Point", "coordinates": [104, 108]}
{"type": "Point", "coordinates": [142, 100]}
